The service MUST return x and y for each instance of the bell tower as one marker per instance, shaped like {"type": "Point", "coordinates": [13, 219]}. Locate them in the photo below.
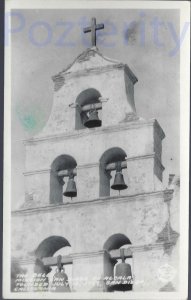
{"type": "Point", "coordinates": [94, 184]}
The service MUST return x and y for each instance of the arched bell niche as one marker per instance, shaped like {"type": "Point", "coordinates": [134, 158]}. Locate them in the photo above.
{"type": "Point", "coordinates": [117, 250]}
{"type": "Point", "coordinates": [61, 163]}
{"type": "Point", "coordinates": [47, 253]}
{"type": "Point", "coordinates": [110, 156]}
{"type": "Point", "coordinates": [87, 97]}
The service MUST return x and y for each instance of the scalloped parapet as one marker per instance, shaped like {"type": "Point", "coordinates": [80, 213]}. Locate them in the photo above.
{"type": "Point", "coordinates": [93, 72]}
{"type": "Point", "coordinates": [90, 59]}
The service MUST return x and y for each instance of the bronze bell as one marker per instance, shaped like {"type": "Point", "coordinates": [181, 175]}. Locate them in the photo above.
{"type": "Point", "coordinates": [123, 275]}
{"type": "Point", "coordinates": [123, 269]}
{"type": "Point", "coordinates": [119, 183]}
{"type": "Point", "coordinates": [60, 279]}
{"type": "Point", "coordinates": [93, 120]}
{"type": "Point", "coordinates": [71, 190]}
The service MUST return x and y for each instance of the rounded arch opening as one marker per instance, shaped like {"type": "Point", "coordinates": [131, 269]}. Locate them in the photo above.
{"type": "Point", "coordinates": [62, 162]}
{"type": "Point", "coordinates": [111, 155]}
{"type": "Point", "coordinates": [52, 247]}
{"type": "Point", "coordinates": [116, 241]}
{"type": "Point", "coordinates": [88, 96]}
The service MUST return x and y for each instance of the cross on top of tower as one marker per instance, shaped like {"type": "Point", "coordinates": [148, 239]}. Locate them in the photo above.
{"type": "Point", "coordinates": [93, 29]}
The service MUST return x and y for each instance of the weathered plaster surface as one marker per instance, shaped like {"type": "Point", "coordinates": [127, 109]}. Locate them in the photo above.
{"type": "Point", "coordinates": [136, 139]}
{"type": "Point", "coordinates": [141, 212]}
{"type": "Point", "coordinates": [112, 80]}
{"type": "Point", "coordinates": [87, 226]}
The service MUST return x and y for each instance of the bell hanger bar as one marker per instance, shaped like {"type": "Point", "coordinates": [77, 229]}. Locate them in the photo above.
{"type": "Point", "coordinates": [59, 262]}
{"type": "Point", "coordinates": [122, 255]}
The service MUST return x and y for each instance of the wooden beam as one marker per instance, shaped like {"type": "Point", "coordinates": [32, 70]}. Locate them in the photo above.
{"type": "Point", "coordinates": [87, 107]}
{"type": "Point", "coordinates": [115, 254]}
{"type": "Point", "coordinates": [91, 106]}
{"type": "Point", "coordinates": [65, 173]}
{"type": "Point", "coordinates": [52, 261]}
{"type": "Point", "coordinates": [109, 167]}
{"type": "Point", "coordinates": [112, 166]}
{"type": "Point", "coordinates": [67, 260]}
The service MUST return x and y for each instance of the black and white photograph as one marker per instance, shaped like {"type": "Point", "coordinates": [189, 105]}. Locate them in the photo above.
{"type": "Point", "coordinates": [96, 150]}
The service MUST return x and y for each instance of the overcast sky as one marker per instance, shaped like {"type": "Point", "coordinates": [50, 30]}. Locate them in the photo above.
{"type": "Point", "coordinates": [45, 41]}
